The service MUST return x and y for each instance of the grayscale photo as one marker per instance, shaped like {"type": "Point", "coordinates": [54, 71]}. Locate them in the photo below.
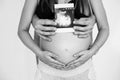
{"type": "Point", "coordinates": [59, 40]}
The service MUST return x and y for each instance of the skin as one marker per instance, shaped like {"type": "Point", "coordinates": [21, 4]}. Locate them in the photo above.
{"type": "Point", "coordinates": [24, 35]}
{"type": "Point", "coordinates": [103, 32]}
{"type": "Point", "coordinates": [50, 58]}
{"type": "Point", "coordinates": [44, 31]}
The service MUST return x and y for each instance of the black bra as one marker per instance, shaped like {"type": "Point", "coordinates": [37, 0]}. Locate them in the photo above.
{"type": "Point", "coordinates": [43, 10]}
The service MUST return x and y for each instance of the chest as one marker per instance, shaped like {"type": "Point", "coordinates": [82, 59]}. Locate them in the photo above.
{"type": "Point", "coordinates": [45, 10]}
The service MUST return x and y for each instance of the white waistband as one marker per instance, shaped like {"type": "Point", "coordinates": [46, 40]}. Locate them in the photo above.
{"type": "Point", "coordinates": [52, 71]}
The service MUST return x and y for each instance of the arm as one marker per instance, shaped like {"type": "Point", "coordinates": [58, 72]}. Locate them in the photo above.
{"type": "Point", "coordinates": [103, 32]}
{"type": "Point", "coordinates": [24, 25]}
{"type": "Point", "coordinates": [24, 35]}
{"type": "Point", "coordinates": [102, 23]}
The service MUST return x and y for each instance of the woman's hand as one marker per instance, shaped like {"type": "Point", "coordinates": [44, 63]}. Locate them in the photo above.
{"type": "Point", "coordinates": [84, 26]}
{"type": "Point", "coordinates": [51, 59]}
{"type": "Point", "coordinates": [44, 28]}
{"type": "Point", "coordinates": [80, 58]}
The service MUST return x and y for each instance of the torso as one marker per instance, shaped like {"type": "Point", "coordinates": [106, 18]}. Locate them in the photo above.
{"type": "Point", "coordinates": [65, 45]}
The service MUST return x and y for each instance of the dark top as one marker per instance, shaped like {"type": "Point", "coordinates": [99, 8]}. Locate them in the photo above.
{"type": "Point", "coordinates": [45, 11]}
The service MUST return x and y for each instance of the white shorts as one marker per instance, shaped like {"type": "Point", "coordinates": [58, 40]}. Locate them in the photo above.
{"type": "Point", "coordinates": [83, 72]}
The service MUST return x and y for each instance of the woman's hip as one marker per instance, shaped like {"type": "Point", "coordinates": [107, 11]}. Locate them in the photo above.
{"type": "Point", "coordinates": [42, 67]}
{"type": "Point", "coordinates": [84, 72]}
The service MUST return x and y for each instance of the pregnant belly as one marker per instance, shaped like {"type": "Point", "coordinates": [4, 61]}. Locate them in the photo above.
{"type": "Point", "coordinates": [65, 45]}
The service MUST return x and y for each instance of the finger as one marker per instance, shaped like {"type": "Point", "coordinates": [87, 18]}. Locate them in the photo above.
{"type": "Point", "coordinates": [83, 36]}
{"type": "Point", "coordinates": [37, 26]}
{"type": "Point", "coordinates": [48, 22]}
{"type": "Point", "coordinates": [93, 18]}
{"type": "Point", "coordinates": [81, 53]}
{"type": "Point", "coordinates": [83, 21]}
{"type": "Point", "coordinates": [90, 22]}
{"type": "Point", "coordinates": [85, 57]}
{"type": "Point", "coordinates": [86, 20]}
{"type": "Point", "coordinates": [51, 54]}
{"type": "Point", "coordinates": [73, 62]}
{"type": "Point", "coordinates": [54, 65]}
{"type": "Point", "coordinates": [78, 63]}
{"type": "Point", "coordinates": [80, 28]}
{"type": "Point", "coordinates": [82, 32]}
{"type": "Point", "coordinates": [57, 66]}
{"type": "Point", "coordinates": [45, 28]}
{"type": "Point", "coordinates": [54, 59]}
{"type": "Point", "coordinates": [89, 27]}
{"type": "Point", "coordinates": [45, 33]}
{"type": "Point", "coordinates": [89, 19]}
{"type": "Point", "coordinates": [56, 62]}
{"type": "Point", "coordinates": [69, 67]}
{"type": "Point", "coordinates": [78, 55]}
{"type": "Point", "coordinates": [45, 38]}
{"type": "Point", "coordinates": [75, 65]}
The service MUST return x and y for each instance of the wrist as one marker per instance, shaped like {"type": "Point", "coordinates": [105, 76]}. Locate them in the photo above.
{"type": "Point", "coordinates": [94, 49]}
{"type": "Point", "coordinates": [38, 52]}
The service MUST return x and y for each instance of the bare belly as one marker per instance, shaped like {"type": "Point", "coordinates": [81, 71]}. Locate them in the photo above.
{"type": "Point", "coordinates": [65, 45]}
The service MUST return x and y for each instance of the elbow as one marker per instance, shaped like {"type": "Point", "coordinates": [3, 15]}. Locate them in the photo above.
{"type": "Point", "coordinates": [22, 31]}
{"type": "Point", "coordinates": [106, 30]}
{"type": "Point", "coordinates": [19, 33]}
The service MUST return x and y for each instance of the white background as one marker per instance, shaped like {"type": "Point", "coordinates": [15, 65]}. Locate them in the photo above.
{"type": "Point", "coordinates": [18, 63]}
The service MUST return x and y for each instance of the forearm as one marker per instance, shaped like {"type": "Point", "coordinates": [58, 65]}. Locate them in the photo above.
{"type": "Point", "coordinates": [100, 40]}
{"type": "Point", "coordinates": [102, 24]}
{"type": "Point", "coordinates": [29, 42]}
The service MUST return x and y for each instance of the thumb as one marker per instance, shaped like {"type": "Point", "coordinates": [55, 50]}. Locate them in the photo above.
{"type": "Point", "coordinates": [78, 54]}
{"type": "Point", "coordinates": [52, 55]}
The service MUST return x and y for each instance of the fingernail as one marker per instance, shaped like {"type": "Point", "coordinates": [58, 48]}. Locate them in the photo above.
{"type": "Point", "coordinates": [74, 55]}
{"type": "Point", "coordinates": [74, 27]}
